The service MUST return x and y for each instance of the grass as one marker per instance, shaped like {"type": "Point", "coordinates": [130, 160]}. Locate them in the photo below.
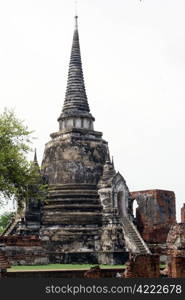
{"type": "Point", "coordinates": [60, 267]}
{"type": "Point", "coordinates": [162, 266]}
{"type": "Point", "coordinates": [64, 267]}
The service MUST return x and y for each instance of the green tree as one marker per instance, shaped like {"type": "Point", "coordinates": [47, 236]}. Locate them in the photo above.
{"type": "Point", "coordinates": [15, 172]}
{"type": "Point", "coordinates": [4, 220]}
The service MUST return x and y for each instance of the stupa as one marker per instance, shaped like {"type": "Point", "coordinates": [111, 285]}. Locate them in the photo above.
{"type": "Point", "coordinates": [87, 215]}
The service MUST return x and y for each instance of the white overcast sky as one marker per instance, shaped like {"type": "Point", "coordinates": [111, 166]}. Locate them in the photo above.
{"type": "Point", "coordinates": [133, 55]}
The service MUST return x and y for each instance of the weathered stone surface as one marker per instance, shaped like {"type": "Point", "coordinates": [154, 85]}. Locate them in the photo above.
{"type": "Point", "coordinates": [4, 262]}
{"type": "Point", "coordinates": [74, 159]}
{"type": "Point", "coordinates": [75, 98]}
{"type": "Point", "coordinates": [145, 266]}
{"type": "Point", "coordinates": [87, 215]}
{"type": "Point", "coordinates": [155, 214]}
{"type": "Point", "coordinates": [116, 201]}
{"type": "Point", "coordinates": [176, 251]}
{"type": "Point", "coordinates": [24, 250]}
{"type": "Point", "coordinates": [112, 238]}
{"type": "Point", "coordinates": [176, 264]}
{"type": "Point", "coordinates": [176, 237]}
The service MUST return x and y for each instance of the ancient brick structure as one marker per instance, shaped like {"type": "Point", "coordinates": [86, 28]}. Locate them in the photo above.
{"type": "Point", "coordinates": [183, 214]}
{"type": "Point", "coordinates": [176, 264]}
{"type": "Point", "coordinates": [87, 215]}
{"type": "Point", "coordinates": [155, 214]}
{"type": "Point", "coordinates": [87, 202]}
{"type": "Point", "coordinates": [94, 272]}
{"type": "Point", "coordinates": [33, 206]}
{"type": "Point", "coordinates": [24, 250]}
{"type": "Point", "coordinates": [176, 251]}
{"type": "Point", "coordinates": [176, 237]}
{"type": "Point", "coordinates": [72, 218]}
{"type": "Point", "coordinates": [145, 266]}
{"type": "Point", "coordinates": [4, 263]}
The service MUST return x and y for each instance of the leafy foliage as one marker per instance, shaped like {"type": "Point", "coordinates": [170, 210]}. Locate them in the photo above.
{"type": "Point", "coordinates": [16, 173]}
{"type": "Point", "coordinates": [4, 220]}
{"type": "Point", "coordinates": [14, 144]}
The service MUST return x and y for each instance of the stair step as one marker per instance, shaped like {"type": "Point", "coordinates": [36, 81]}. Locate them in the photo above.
{"type": "Point", "coordinates": [73, 206]}
{"type": "Point", "coordinates": [72, 229]}
{"type": "Point", "coordinates": [72, 201]}
{"type": "Point", "coordinates": [136, 238]}
{"type": "Point", "coordinates": [81, 208]}
{"type": "Point", "coordinates": [131, 231]}
{"type": "Point", "coordinates": [76, 214]}
{"type": "Point", "coordinates": [73, 193]}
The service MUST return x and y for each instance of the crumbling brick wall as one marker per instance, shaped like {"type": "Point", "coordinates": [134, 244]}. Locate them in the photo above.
{"type": "Point", "coordinates": [24, 250]}
{"type": "Point", "coordinates": [176, 264]}
{"type": "Point", "coordinates": [144, 266]}
{"type": "Point", "coordinates": [4, 264]}
{"type": "Point", "coordinates": [17, 240]}
{"type": "Point", "coordinates": [155, 214]}
{"type": "Point", "coordinates": [176, 237]}
{"type": "Point", "coordinates": [176, 251]}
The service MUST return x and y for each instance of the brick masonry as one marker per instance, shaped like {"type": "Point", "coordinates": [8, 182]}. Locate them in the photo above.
{"type": "Point", "coordinates": [176, 251]}
{"type": "Point", "coordinates": [4, 264]}
{"type": "Point", "coordinates": [88, 205]}
{"type": "Point", "coordinates": [155, 214]}
{"type": "Point", "coordinates": [176, 264]}
{"type": "Point", "coordinates": [24, 250]}
{"type": "Point", "coordinates": [144, 266]}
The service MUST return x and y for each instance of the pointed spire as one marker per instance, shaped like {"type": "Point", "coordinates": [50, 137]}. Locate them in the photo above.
{"type": "Point", "coordinates": [113, 161]}
{"type": "Point", "coordinates": [34, 166]}
{"type": "Point", "coordinates": [35, 161]}
{"type": "Point", "coordinates": [35, 157]}
{"type": "Point", "coordinates": [75, 98]}
{"type": "Point", "coordinates": [108, 156]}
{"type": "Point", "coordinates": [76, 22]}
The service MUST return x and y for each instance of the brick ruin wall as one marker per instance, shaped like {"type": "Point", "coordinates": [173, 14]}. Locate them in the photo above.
{"type": "Point", "coordinates": [176, 264]}
{"type": "Point", "coordinates": [155, 214]}
{"type": "Point", "coordinates": [24, 250]}
{"type": "Point", "coordinates": [143, 266]}
{"type": "Point", "coordinates": [28, 249]}
{"type": "Point", "coordinates": [4, 263]}
{"type": "Point", "coordinates": [176, 251]}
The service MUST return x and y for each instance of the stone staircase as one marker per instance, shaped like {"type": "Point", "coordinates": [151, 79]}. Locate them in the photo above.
{"type": "Point", "coordinates": [72, 205]}
{"type": "Point", "coordinates": [10, 227]}
{"type": "Point", "coordinates": [71, 220]}
{"type": "Point", "coordinates": [133, 239]}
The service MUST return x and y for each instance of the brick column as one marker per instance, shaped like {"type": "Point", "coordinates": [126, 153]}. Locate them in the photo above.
{"type": "Point", "coordinates": [176, 264]}
{"type": "Point", "coordinates": [144, 266]}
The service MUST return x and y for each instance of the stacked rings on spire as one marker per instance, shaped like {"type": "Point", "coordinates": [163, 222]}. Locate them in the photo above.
{"type": "Point", "coordinates": [75, 97]}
